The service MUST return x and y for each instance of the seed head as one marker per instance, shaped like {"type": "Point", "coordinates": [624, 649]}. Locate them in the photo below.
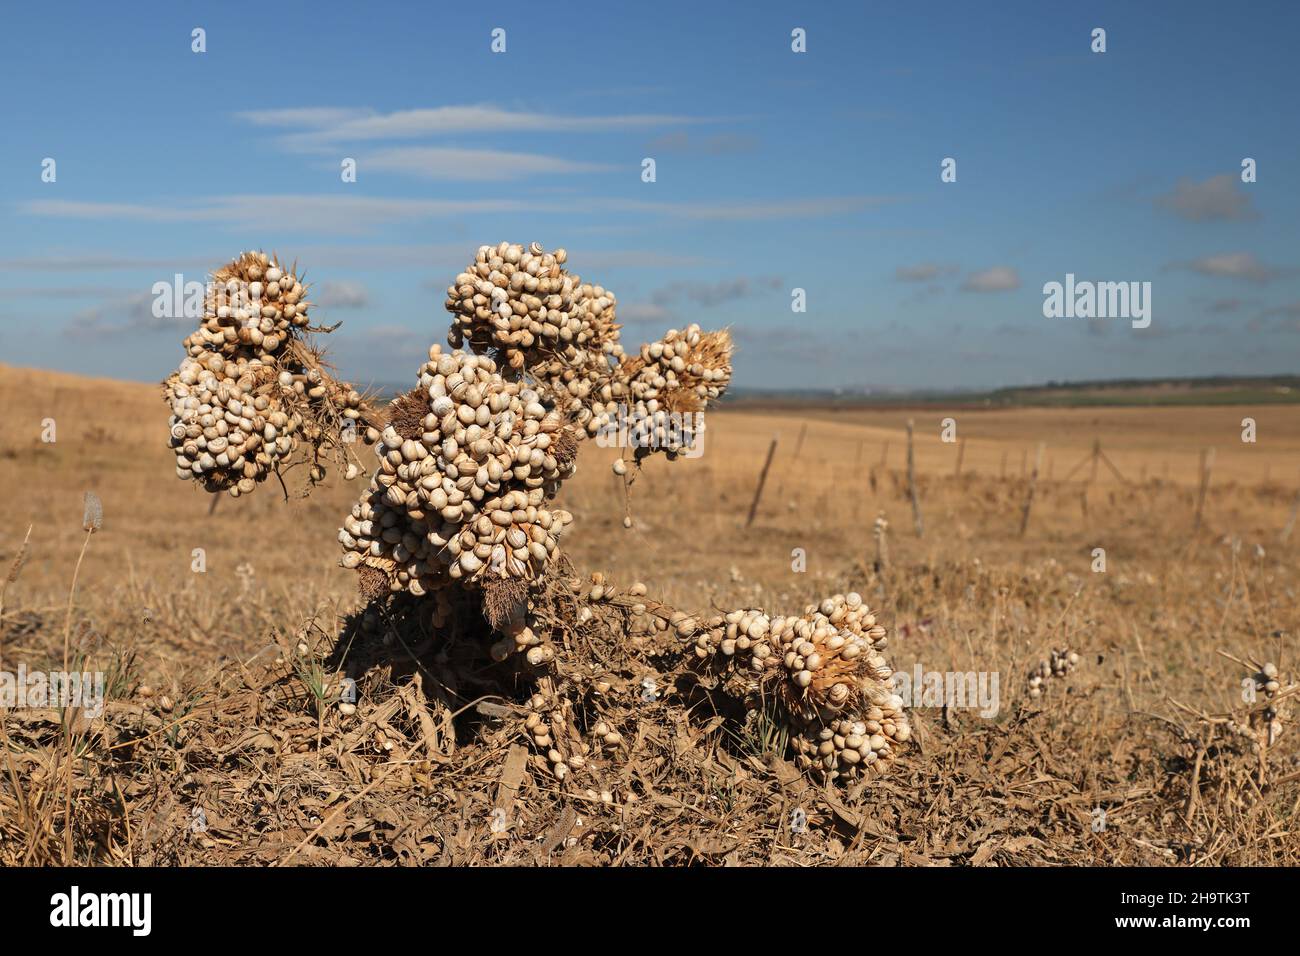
{"type": "Point", "coordinates": [92, 514]}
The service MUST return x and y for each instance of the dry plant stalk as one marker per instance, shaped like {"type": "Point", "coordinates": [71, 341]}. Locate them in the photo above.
{"type": "Point", "coordinates": [15, 569]}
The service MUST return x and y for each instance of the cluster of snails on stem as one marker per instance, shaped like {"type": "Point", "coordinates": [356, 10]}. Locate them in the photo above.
{"type": "Point", "coordinates": [459, 515]}
{"type": "Point", "coordinates": [251, 391]}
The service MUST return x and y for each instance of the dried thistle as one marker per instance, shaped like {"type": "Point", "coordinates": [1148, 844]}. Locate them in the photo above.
{"type": "Point", "coordinates": [407, 412]}
{"type": "Point", "coordinates": [15, 569]}
{"type": "Point", "coordinates": [20, 558]}
{"type": "Point", "coordinates": [504, 600]}
{"type": "Point", "coordinates": [92, 514]}
{"type": "Point", "coordinates": [372, 583]}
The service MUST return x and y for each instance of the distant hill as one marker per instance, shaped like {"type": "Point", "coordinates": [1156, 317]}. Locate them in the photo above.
{"type": "Point", "coordinates": [1216, 390]}
{"type": "Point", "coordinates": [1212, 390]}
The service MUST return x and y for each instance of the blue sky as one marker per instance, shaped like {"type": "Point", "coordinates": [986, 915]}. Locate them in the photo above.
{"type": "Point", "coordinates": [775, 170]}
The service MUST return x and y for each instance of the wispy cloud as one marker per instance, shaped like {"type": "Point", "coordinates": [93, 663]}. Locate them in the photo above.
{"type": "Point", "coordinates": [355, 214]}
{"type": "Point", "coordinates": [1217, 199]}
{"type": "Point", "coordinates": [385, 355]}
{"type": "Point", "coordinates": [63, 292]}
{"type": "Point", "coordinates": [752, 211]}
{"type": "Point", "coordinates": [130, 313]}
{"type": "Point", "coordinates": [100, 263]}
{"type": "Point", "coordinates": [712, 294]}
{"type": "Point", "coordinates": [644, 313]}
{"type": "Point", "coordinates": [1245, 266]}
{"type": "Point", "coordinates": [381, 257]}
{"type": "Point", "coordinates": [668, 303]}
{"type": "Point", "coordinates": [325, 126]}
{"type": "Point", "coordinates": [470, 165]}
{"type": "Point", "coordinates": [996, 279]}
{"type": "Point", "coordinates": [775, 343]}
{"type": "Point", "coordinates": [1279, 318]}
{"type": "Point", "coordinates": [301, 214]}
{"type": "Point", "coordinates": [1226, 306]}
{"type": "Point", "coordinates": [306, 117]}
{"type": "Point", "coordinates": [923, 272]}
{"type": "Point", "coordinates": [583, 259]}
{"type": "Point", "coordinates": [341, 295]}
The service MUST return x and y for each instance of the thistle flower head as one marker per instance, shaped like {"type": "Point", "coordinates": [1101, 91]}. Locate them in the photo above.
{"type": "Point", "coordinates": [92, 513]}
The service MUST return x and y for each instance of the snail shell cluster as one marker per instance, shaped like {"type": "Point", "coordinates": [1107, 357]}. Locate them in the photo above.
{"type": "Point", "coordinates": [1058, 665]}
{"type": "Point", "coordinates": [243, 399]}
{"type": "Point", "coordinates": [251, 308]}
{"type": "Point", "coordinates": [1266, 722]}
{"type": "Point", "coordinates": [228, 428]}
{"type": "Point", "coordinates": [817, 662]}
{"type": "Point", "coordinates": [465, 500]}
{"type": "Point", "coordinates": [520, 638]}
{"type": "Point", "coordinates": [846, 748]}
{"type": "Point", "coordinates": [606, 735]}
{"type": "Point", "coordinates": [549, 726]}
{"type": "Point", "coordinates": [1266, 681]}
{"type": "Point", "coordinates": [522, 301]}
{"type": "Point", "coordinates": [826, 669]}
{"type": "Point", "coordinates": [676, 376]}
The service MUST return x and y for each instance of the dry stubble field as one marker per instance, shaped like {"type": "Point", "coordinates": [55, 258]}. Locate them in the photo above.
{"type": "Point", "coordinates": [221, 742]}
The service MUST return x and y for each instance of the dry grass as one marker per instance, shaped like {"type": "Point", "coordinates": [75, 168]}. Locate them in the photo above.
{"type": "Point", "coordinates": [222, 683]}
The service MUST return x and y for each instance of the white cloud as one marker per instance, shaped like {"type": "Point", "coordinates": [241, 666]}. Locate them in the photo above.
{"type": "Point", "coordinates": [354, 214]}
{"type": "Point", "coordinates": [469, 165]}
{"type": "Point", "coordinates": [300, 214]}
{"type": "Point", "coordinates": [1219, 198]}
{"type": "Point", "coordinates": [711, 294]}
{"type": "Point", "coordinates": [63, 292]}
{"type": "Point", "coordinates": [307, 117]}
{"type": "Point", "coordinates": [385, 354]}
{"type": "Point", "coordinates": [1235, 265]}
{"type": "Point", "coordinates": [634, 259]}
{"type": "Point", "coordinates": [642, 313]}
{"type": "Point", "coordinates": [996, 279]}
{"type": "Point", "coordinates": [750, 211]}
{"type": "Point", "coordinates": [129, 313]}
{"type": "Point", "coordinates": [328, 125]}
{"type": "Point", "coordinates": [99, 263]}
{"type": "Point", "coordinates": [341, 295]}
{"type": "Point", "coordinates": [384, 256]}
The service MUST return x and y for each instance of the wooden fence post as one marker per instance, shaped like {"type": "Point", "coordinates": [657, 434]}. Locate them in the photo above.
{"type": "Point", "coordinates": [911, 483]}
{"type": "Point", "coordinates": [1207, 464]}
{"type": "Point", "coordinates": [1029, 497]}
{"type": "Point", "coordinates": [762, 480]}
